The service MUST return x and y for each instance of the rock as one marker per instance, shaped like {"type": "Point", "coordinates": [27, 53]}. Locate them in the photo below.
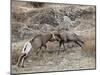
{"type": "Point", "coordinates": [29, 61]}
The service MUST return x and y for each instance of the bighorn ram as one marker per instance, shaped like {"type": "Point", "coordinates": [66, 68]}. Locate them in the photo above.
{"type": "Point", "coordinates": [67, 36]}
{"type": "Point", "coordinates": [37, 43]}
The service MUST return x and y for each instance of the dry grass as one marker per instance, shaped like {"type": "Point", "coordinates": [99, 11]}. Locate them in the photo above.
{"type": "Point", "coordinates": [89, 41]}
{"type": "Point", "coordinates": [89, 35]}
{"type": "Point", "coordinates": [15, 56]}
{"type": "Point", "coordinates": [90, 45]}
{"type": "Point", "coordinates": [90, 48]}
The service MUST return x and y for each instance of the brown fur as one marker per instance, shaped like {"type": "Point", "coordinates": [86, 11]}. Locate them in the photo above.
{"type": "Point", "coordinates": [39, 41]}
{"type": "Point", "coordinates": [44, 38]}
{"type": "Point", "coordinates": [67, 36]}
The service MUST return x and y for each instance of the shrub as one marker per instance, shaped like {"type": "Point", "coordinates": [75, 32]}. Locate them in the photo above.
{"type": "Point", "coordinates": [36, 4]}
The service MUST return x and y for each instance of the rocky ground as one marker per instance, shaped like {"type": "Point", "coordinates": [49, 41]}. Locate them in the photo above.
{"type": "Point", "coordinates": [29, 19]}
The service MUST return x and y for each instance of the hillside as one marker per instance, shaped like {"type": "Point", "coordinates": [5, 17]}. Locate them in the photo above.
{"type": "Point", "coordinates": [29, 19]}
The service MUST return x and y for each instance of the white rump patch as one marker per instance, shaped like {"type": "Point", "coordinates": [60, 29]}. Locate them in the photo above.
{"type": "Point", "coordinates": [27, 47]}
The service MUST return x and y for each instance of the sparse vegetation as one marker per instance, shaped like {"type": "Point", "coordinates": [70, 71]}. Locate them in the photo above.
{"type": "Point", "coordinates": [90, 48]}
{"type": "Point", "coordinates": [30, 18]}
{"type": "Point", "coordinates": [90, 43]}
{"type": "Point", "coordinates": [36, 4]}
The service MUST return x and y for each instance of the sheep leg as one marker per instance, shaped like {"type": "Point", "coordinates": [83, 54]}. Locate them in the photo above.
{"type": "Point", "coordinates": [45, 47]}
{"type": "Point", "coordinates": [80, 40]}
{"type": "Point", "coordinates": [63, 46]}
{"type": "Point", "coordinates": [20, 59]}
{"type": "Point", "coordinates": [79, 44]}
{"type": "Point", "coordinates": [60, 43]}
{"type": "Point", "coordinates": [23, 60]}
{"type": "Point", "coordinates": [38, 50]}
